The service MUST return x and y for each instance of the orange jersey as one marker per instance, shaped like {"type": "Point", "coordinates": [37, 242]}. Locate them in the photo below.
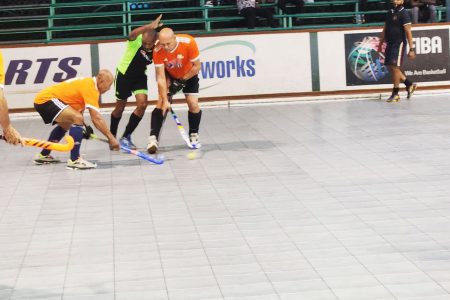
{"type": "Point", "coordinates": [2, 72]}
{"type": "Point", "coordinates": [78, 93]}
{"type": "Point", "coordinates": [178, 61]}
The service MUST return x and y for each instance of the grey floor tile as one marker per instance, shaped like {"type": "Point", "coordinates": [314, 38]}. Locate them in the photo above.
{"type": "Point", "coordinates": [422, 289]}
{"type": "Point", "coordinates": [310, 295]}
{"type": "Point", "coordinates": [142, 295]}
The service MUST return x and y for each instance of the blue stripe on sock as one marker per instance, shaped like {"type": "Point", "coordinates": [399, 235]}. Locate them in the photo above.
{"type": "Point", "coordinates": [76, 131]}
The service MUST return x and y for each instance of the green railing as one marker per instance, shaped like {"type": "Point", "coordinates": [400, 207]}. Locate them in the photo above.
{"type": "Point", "coordinates": [112, 19]}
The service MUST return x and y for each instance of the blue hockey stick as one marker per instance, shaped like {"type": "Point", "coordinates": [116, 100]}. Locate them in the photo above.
{"type": "Point", "coordinates": [139, 154]}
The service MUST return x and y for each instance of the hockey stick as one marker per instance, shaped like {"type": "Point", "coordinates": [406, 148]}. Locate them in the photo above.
{"type": "Point", "coordinates": [180, 126]}
{"type": "Point", "coordinates": [139, 154]}
{"type": "Point", "coordinates": [49, 145]}
{"type": "Point", "coordinates": [182, 131]}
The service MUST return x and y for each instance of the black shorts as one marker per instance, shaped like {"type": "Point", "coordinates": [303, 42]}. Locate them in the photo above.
{"type": "Point", "coordinates": [395, 51]}
{"type": "Point", "coordinates": [192, 86]}
{"type": "Point", "coordinates": [50, 110]}
{"type": "Point", "coordinates": [126, 85]}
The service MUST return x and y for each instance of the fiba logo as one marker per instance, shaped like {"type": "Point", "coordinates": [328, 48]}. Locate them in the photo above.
{"type": "Point", "coordinates": [365, 61]}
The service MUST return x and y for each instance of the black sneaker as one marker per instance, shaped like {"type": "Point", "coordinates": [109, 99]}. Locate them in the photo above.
{"type": "Point", "coordinates": [393, 98]}
{"type": "Point", "coordinates": [410, 90]}
{"type": "Point", "coordinates": [45, 159]}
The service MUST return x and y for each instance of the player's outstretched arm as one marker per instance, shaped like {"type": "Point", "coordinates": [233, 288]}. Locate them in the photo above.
{"type": "Point", "coordinates": [9, 132]}
{"type": "Point", "coordinates": [151, 26]}
{"type": "Point", "coordinates": [162, 87]}
{"type": "Point", "coordinates": [100, 124]}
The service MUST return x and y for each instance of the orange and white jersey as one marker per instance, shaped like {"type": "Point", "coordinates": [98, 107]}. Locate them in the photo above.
{"type": "Point", "coordinates": [178, 61]}
{"type": "Point", "coordinates": [79, 93]}
{"type": "Point", "coordinates": [2, 72]}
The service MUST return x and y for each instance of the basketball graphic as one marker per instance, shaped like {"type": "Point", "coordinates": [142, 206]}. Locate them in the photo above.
{"type": "Point", "coordinates": [364, 60]}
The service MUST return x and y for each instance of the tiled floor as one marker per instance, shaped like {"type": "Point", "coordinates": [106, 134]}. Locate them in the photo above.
{"type": "Point", "coordinates": [311, 200]}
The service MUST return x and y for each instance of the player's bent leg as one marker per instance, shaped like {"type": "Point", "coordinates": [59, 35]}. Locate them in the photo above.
{"type": "Point", "coordinates": [76, 161]}
{"type": "Point", "coordinates": [75, 118]}
{"type": "Point", "coordinates": [410, 87]}
{"type": "Point", "coordinates": [116, 115]}
{"type": "Point", "coordinates": [155, 129]}
{"type": "Point", "coordinates": [141, 103]}
{"type": "Point", "coordinates": [44, 156]}
{"type": "Point", "coordinates": [135, 119]}
{"type": "Point", "coordinates": [194, 118]}
{"type": "Point", "coordinates": [410, 90]}
{"type": "Point", "coordinates": [68, 117]}
{"type": "Point", "coordinates": [396, 75]}
{"type": "Point", "coordinates": [54, 112]}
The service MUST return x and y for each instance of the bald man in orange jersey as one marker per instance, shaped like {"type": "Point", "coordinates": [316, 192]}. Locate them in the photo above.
{"type": "Point", "coordinates": [63, 104]}
{"type": "Point", "coordinates": [177, 64]}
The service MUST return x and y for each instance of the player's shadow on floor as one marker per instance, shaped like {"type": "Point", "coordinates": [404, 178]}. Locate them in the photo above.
{"type": "Point", "coordinates": [129, 161]}
{"type": "Point", "coordinates": [230, 146]}
{"type": "Point", "coordinates": [176, 149]}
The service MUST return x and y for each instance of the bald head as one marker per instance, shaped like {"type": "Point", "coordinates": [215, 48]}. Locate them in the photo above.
{"type": "Point", "coordinates": [104, 80]}
{"type": "Point", "coordinates": [167, 39]}
{"type": "Point", "coordinates": [148, 39]}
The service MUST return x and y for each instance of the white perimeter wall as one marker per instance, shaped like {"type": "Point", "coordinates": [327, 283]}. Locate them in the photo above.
{"type": "Point", "coordinates": [252, 64]}
{"type": "Point", "coordinates": [239, 65]}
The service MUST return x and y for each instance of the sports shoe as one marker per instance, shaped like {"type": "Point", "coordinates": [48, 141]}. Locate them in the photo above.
{"type": "Point", "coordinates": [45, 159]}
{"type": "Point", "coordinates": [152, 145]}
{"type": "Point", "coordinates": [410, 90]}
{"type": "Point", "coordinates": [209, 4]}
{"type": "Point", "coordinates": [80, 164]}
{"type": "Point", "coordinates": [194, 139]}
{"type": "Point", "coordinates": [393, 98]}
{"type": "Point", "coordinates": [125, 141]}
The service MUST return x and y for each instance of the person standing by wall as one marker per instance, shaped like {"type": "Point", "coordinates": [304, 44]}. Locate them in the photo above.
{"type": "Point", "coordinates": [397, 33]}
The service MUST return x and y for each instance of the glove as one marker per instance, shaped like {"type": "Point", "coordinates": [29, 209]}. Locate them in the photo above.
{"type": "Point", "coordinates": [176, 86]}
{"type": "Point", "coordinates": [87, 131]}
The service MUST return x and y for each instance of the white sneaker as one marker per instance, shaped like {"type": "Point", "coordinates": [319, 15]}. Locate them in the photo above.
{"type": "Point", "coordinates": [195, 140]}
{"type": "Point", "coordinates": [152, 145]}
{"type": "Point", "coordinates": [209, 4]}
{"type": "Point", "coordinates": [80, 164]}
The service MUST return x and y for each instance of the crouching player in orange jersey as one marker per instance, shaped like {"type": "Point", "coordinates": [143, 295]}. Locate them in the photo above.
{"type": "Point", "coordinates": [63, 104]}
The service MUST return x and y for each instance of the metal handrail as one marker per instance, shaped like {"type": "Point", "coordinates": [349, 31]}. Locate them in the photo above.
{"type": "Point", "coordinates": [126, 18]}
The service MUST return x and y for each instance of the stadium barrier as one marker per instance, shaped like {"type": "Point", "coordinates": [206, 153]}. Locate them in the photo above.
{"type": "Point", "coordinates": [245, 65]}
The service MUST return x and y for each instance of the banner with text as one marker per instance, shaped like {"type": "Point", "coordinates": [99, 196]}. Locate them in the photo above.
{"type": "Point", "coordinates": [238, 65]}
{"type": "Point", "coordinates": [365, 66]}
{"type": "Point", "coordinates": [30, 69]}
